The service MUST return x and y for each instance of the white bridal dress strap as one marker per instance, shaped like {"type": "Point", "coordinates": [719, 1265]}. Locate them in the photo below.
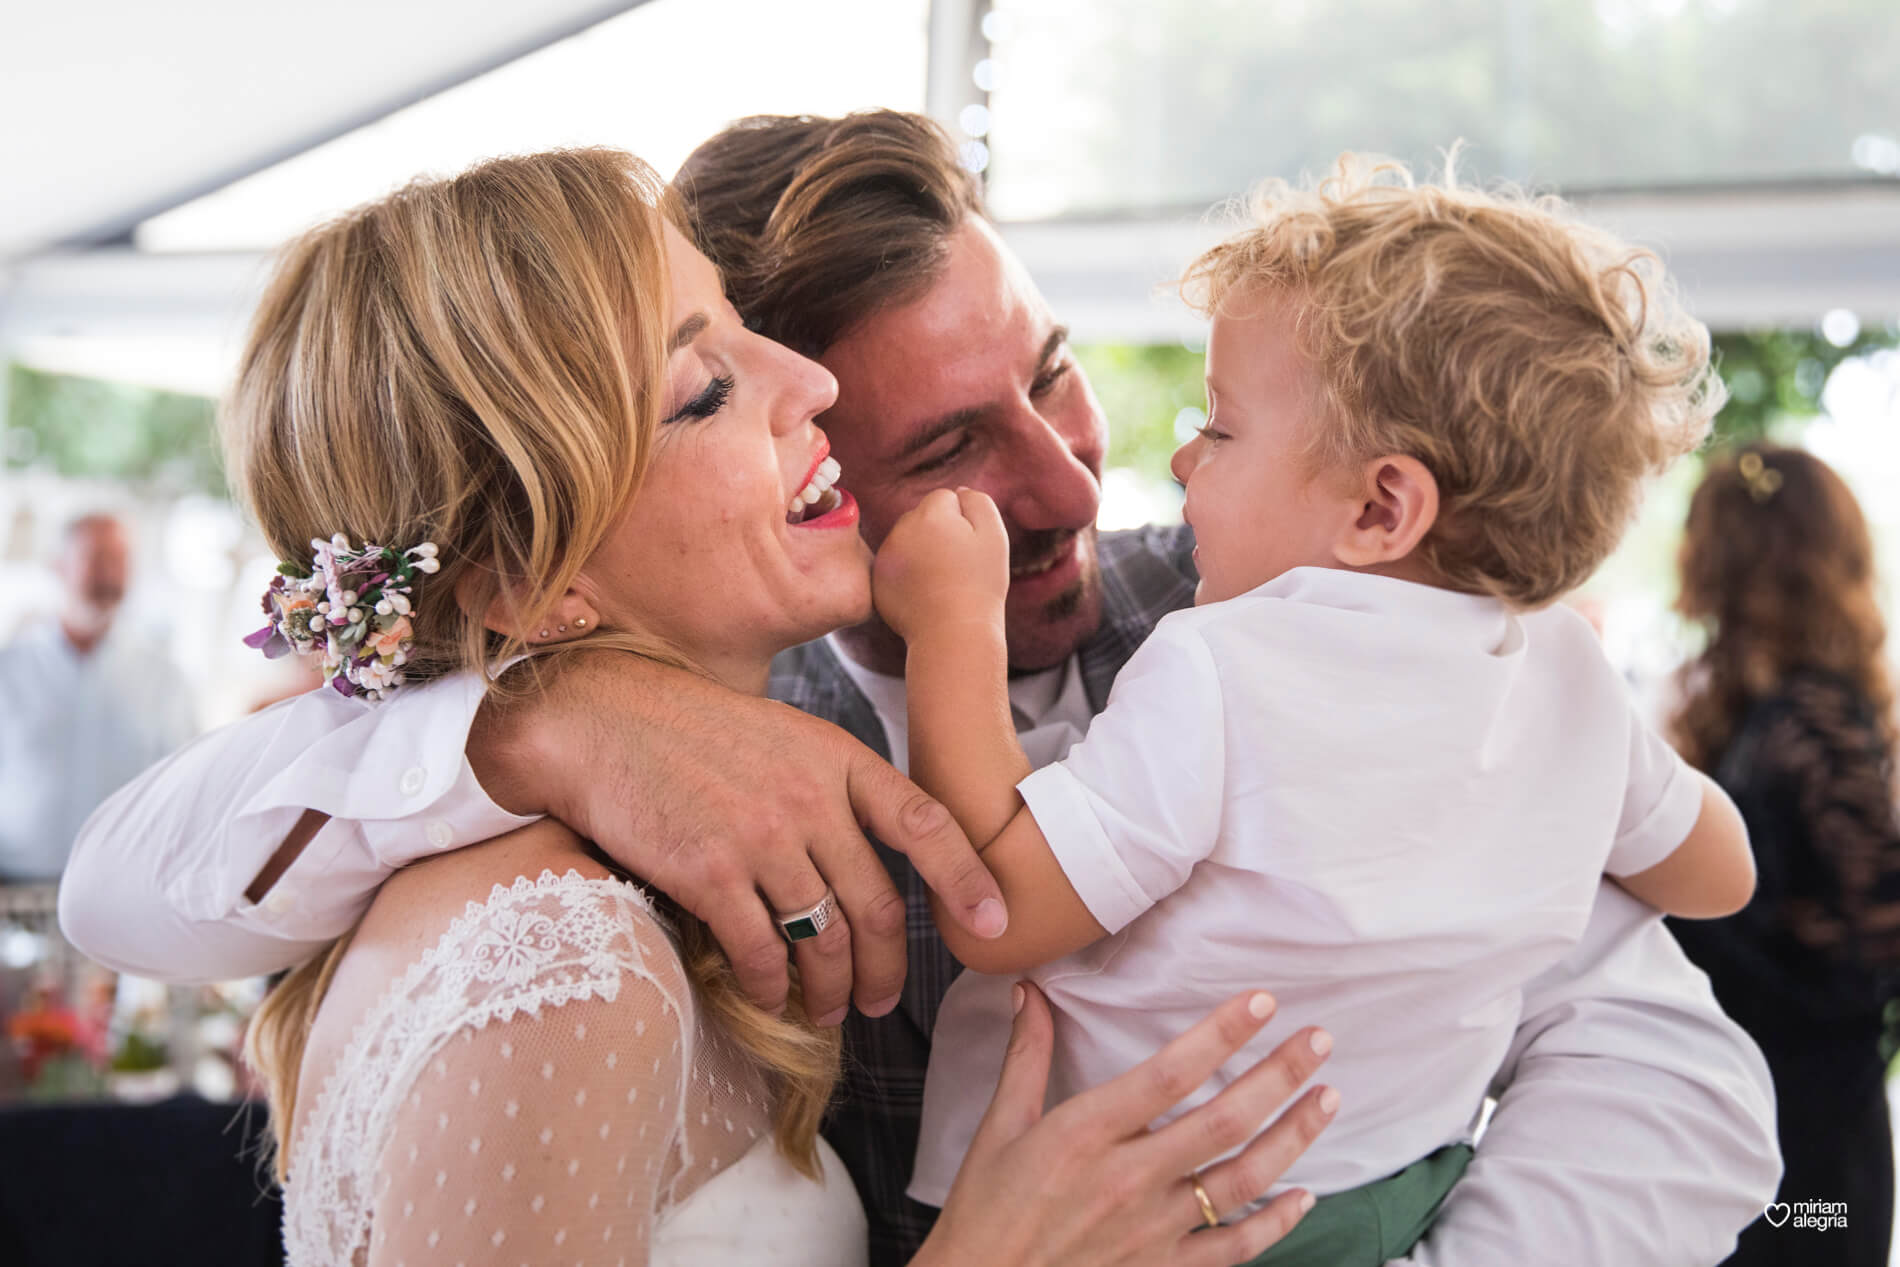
{"type": "Point", "coordinates": [539, 1087]}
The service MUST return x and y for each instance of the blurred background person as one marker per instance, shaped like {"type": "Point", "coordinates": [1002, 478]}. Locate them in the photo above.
{"type": "Point", "coordinates": [1790, 708]}
{"type": "Point", "coordinates": [89, 700]}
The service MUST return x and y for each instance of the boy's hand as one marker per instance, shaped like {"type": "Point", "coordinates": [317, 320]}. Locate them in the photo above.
{"type": "Point", "coordinates": [945, 562]}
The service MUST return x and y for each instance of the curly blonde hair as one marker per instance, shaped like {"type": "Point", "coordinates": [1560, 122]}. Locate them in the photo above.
{"type": "Point", "coordinates": [1540, 369]}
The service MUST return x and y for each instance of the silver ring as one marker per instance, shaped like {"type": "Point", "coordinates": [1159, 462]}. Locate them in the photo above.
{"type": "Point", "coordinates": [813, 920]}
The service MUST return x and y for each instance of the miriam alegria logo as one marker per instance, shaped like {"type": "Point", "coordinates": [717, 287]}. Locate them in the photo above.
{"type": "Point", "coordinates": [1813, 1216]}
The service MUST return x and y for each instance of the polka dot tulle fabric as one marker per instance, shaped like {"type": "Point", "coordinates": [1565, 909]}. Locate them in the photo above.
{"type": "Point", "coordinates": [539, 1088]}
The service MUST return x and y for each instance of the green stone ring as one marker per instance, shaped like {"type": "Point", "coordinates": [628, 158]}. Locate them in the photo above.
{"type": "Point", "coordinates": [808, 923]}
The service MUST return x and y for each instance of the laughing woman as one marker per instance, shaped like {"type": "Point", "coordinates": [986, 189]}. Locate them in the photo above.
{"type": "Point", "coordinates": [527, 386]}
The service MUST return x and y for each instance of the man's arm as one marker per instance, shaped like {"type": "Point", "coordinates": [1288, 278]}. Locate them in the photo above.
{"type": "Point", "coordinates": [732, 805]}
{"type": "Point", "coordinates": [1635, 1122]}
{"type": "Point", "coordinates": [183, 874]}
{"type": "Point", "coordinates": [717, 798]}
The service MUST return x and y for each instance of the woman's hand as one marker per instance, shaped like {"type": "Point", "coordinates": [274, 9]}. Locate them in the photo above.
{"type": "Point", "coordinates": [1090, 1184]}
{"type": "Point", "coordinates": [945, 561]}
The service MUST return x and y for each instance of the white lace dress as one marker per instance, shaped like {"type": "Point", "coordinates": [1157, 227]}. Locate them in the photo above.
{"type": "Point", "coordinates": [539, 1087]}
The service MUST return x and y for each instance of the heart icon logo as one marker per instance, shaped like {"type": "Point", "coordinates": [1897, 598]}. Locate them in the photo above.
{"type": "Point", "coordinates": [1776, 1212]}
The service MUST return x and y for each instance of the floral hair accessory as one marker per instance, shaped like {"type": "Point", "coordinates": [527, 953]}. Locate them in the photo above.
{"type": "Point", "coordinates": [350, 606]}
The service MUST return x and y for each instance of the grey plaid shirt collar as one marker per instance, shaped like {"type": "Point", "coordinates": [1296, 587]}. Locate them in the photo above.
{"type": "Point", "coordinates": [1146, 573]}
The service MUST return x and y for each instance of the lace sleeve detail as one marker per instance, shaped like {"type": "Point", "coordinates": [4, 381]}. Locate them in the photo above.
{"type": "Point", "coordinates": [1836, 759]}
{"type": "Point", "coordinates": [516, 1096]}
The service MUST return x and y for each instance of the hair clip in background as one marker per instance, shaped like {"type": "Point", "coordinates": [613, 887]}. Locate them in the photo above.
{"type": "Point", "coordinates": [1761, 480]}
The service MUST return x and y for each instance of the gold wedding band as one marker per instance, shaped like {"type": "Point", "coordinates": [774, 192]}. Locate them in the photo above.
{"type": "Point", "coordinates": [1200, 1194]}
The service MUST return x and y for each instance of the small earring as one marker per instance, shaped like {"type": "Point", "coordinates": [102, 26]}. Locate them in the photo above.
{"type": "Point", "coordinates": [544, 633]}
{"type": "Point", "coordinates": [581, 623]}
{"type": "Point", "coordinates": [563, 628]}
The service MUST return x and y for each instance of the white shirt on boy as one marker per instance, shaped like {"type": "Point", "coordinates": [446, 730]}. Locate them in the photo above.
{"type": "Point", "coordinates": [1388, 803]}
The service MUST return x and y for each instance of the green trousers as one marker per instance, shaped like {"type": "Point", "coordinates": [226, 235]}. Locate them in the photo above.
{"type": "Point", "coordinates": [1364, 1227]}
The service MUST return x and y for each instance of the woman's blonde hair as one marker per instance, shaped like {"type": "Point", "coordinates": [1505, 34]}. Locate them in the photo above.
{"type": "Point", "coordinates": [1537, 367]}
{"type": "Point", "coordinates": [479, 362]}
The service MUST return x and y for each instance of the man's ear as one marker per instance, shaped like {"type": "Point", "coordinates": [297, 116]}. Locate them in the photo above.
{"type": "Point", "coordinates": [1399, 506]}
{"type": "Point", "coordinates": [571, 616]}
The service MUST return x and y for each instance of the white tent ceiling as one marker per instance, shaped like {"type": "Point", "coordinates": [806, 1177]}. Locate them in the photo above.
{"type": "Point", "coordinates": [117, 110]}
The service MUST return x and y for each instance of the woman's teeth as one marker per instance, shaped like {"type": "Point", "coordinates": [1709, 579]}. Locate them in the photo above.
{"type": "Point", "coordinates": [821, 481]}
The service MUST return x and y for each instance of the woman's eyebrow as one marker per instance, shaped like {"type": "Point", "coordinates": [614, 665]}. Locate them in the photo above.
{"type": "Point", "coordinates": [688, 331]}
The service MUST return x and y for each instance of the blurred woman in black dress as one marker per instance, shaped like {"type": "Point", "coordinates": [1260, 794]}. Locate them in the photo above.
{"type": "Point", "coordinates": [1790, 709]}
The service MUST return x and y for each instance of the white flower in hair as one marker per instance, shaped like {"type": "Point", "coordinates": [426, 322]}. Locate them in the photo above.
{"type": "Point", "coordinates": [352, 607]}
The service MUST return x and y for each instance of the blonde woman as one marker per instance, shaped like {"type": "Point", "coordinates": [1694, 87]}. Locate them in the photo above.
{"type": "Point", "coordinates": [529, 387]}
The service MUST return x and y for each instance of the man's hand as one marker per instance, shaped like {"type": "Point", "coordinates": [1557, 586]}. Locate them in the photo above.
{"type": "Point", "coordinates": [736, 807]}
{"type": "Point", "coordinates": [946, 561]}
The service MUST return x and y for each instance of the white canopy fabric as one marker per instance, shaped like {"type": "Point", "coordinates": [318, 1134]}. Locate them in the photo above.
{"type": "Point", "coordinates": [117, 109]}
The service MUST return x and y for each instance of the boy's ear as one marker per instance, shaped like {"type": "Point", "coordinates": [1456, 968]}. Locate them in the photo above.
{"type": "Point", "coordinates": [571, 616]}
{"type": "Point", "coordinates": [1399, 505]}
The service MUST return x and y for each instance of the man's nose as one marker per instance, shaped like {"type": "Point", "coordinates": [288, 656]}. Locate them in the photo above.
{"type": "Point", "coordinates": [1053, 479]}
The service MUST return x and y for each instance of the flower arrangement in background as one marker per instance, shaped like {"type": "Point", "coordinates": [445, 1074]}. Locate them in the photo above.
{"type": "Point", "coordinates": [61, 1048]}
{"type": "Point", "coordinates": [350, 606]}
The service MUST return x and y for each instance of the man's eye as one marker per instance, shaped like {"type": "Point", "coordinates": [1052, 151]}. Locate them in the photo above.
{"type": "Point", "coordinates": [1050, 377]}
{"type": "Point", "coordinates": [945, 458]}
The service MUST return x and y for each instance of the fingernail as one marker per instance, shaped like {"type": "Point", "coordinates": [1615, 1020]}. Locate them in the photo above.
{"type": "Point", "coordinates": [1016, 997]}
{"type": "Point", "coordinates": [882, 1007]}
{"type": "Point", "coordinates": [1261, 1005]}
{"type": "Point", "coordinates": [989, 919]}
{"type": "Point", "coordinates": [1306, 1202]}
{"type": "Point", "coordinates": [1328, 1101]}
{"type": "Point", "coordinates": [1322, 1042]}
{"type": "Point", "coordinates": [833, 1017]}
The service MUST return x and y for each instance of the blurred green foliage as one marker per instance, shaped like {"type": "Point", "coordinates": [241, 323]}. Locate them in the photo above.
{"type": "Point", "coordinates": [1777, 375]}
{"type": "Point", "coordinates": [93, 429]}
{"type": "Point", "coordinates": [1772, 375]}
{"type": "Point", "coordinates": [1143, 387]}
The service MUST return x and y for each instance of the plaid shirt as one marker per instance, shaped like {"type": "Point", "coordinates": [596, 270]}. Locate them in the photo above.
{"type": "Point", "coordinates": [1146, 573]}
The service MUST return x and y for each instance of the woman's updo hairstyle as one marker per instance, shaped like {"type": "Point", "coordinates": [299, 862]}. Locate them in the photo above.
{"type": "Point", "coordinates": [478, 362]}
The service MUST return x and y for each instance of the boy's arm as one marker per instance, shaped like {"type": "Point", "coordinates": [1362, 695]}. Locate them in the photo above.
{"type": "Point", "coordinates": [964, 752]}
{"type": "Point", "coordinates": [941, 577]}
{"type": "Point", "coordinates": [963, 745]}
{"type": "Point", "coordinates": [1711, 874]}
{"type": "Point", "coordinates": [1051, 919]}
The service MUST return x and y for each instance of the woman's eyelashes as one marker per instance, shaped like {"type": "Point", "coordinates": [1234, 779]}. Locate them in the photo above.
{"type": "Point", "coordinates": [707, 403]}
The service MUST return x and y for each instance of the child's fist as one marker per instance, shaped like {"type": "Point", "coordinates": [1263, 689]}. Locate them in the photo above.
{"type": "Point", "coordinates": [946, 561]}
